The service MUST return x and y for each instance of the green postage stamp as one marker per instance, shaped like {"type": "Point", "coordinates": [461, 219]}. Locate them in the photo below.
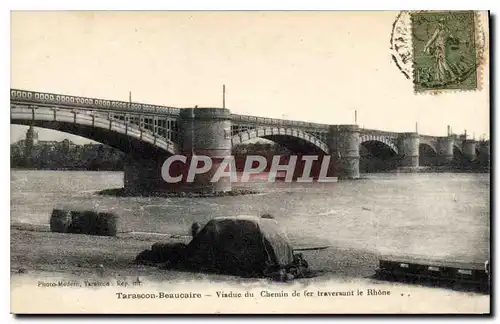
{"type": "Point", "coordinates": [444, 50]}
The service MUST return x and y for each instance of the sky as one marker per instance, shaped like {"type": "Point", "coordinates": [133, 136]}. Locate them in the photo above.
{"type": "Point", "coordinates": [308, 66]}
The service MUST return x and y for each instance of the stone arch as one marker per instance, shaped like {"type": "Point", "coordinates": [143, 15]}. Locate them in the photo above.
{"type": "Point", "coordinates": [282, 136]}
{"type": "Point", "coordinates": [427, 153]}
{"type": "Point", "coordinates": [429, 144]}
{"type": "Point", "coordinates": [127, 138]}
{"type": "Point", "coordinates": [379, 138]}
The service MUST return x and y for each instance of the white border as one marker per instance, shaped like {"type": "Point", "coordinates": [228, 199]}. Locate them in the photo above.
{"type": "Point", "coordinates": [246, 5]}
{"type": "Point", "coordinates": [6, 6]}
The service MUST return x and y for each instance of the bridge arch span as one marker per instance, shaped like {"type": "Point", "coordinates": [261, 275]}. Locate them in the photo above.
{"type": "Point", "coordinates": [377, 153]}
{"type": "Point", "coordinates": [429, 145]}
{"type": "Point", "coordinates": [295, 140]}
{"type": "Point", "coordinates": [127, 138]}
{"type": "Point", "coordinates": [427, 153]}
{"type": "Point", "coordinates": [457, 147]}
{"type": "Point", "coordinates": [379, 138]}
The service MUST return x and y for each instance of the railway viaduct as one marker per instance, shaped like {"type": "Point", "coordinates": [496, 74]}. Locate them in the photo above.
{"type": "Point", "coordinates": [150, 133]}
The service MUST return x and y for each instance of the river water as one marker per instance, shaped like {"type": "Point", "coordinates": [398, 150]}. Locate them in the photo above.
{"type": "Point", "coordinates": [435, 215]}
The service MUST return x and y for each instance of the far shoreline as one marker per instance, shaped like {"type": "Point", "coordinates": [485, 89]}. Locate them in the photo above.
{"type": "Point", "coordinates": [425, 169]}
{"type": "Point", "coordinates": [121, 192]}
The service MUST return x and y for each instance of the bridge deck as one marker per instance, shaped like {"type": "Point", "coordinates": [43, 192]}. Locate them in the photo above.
{"type": "Point", "coordinates": [25, 97]}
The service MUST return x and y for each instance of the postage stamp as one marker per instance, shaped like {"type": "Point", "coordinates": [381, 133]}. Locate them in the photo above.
{"type": "Point", "coordinates": [444, 50]}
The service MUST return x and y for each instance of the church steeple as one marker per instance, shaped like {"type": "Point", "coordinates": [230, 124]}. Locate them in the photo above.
{"type": "Point", "coordinates": [31, 139]}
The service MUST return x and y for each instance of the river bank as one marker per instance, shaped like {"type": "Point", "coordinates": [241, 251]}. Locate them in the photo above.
{"type": "Point", "coordinates": [412, 214]}
{"type": "Point", "coordinates": [34, 249]}
{"type": "Point", "coordinates": [437, 169]}
{"type": "Point", "coordinates": [71, 273]}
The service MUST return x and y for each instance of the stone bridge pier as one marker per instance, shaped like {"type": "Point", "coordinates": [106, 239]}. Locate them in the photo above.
{"type": "Point", "coordinates": [205, 132]}
{"type": "Point", "coordinates": [343, 142]}
{"type": "Point", "coordinates": [469, 149]}
{"type": "Point", "coordinates": [142, 175]}
{"type": "Point", "coordinates": [409, 150]}
{"type": "Point", "coordinates": [445, 150]}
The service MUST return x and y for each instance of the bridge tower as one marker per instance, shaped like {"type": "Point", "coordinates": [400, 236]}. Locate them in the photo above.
{"type": "Point", "coordinates": [445, 149]}
{"type": "Point", "coordinates": [469, 149]}
{"type": "Point", "coordinates": [409, 149]}
{"type": "Point", "coordinates": [207, 131]}
{"type": "Point", "coordinates": [343, 142]}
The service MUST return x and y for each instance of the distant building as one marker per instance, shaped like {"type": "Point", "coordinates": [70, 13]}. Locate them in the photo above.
{"type": "Point", "coordinates": [30, 141]}
{"type": "Point", "coordinates": [48, 145]}
{"type": "Point", "coordinates": [66, 145]}
{"type": "Point", "coordinates": [31, 136]}
{"type": "Point", "coordinates": [31, 152]}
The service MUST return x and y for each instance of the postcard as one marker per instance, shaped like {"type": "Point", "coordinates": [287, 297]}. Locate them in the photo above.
{"type": "Point", "coordinates": [250, 162]}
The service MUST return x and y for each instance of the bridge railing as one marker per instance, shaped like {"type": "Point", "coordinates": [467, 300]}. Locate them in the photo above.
{"type": "Point", "coordinates": [134, 108]}
{"type": "Point", "coordinates": [246, 119]}
{"type": "Point", "coordinates": [368, 131]}
{"type": "Point", "coordinates": [51, 99]}
{"type": "Point", "coordinates": [117, 117]}
{"type": "Point", "coordinates": [428, 137]}
{"type": "Point", "coordinates": [99, 120]}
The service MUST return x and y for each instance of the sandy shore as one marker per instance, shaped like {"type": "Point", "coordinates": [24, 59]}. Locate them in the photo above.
{"type": "Point", "coordinates": [39, 255]}
{"type": "Point", "coordinates": [34, 248]}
